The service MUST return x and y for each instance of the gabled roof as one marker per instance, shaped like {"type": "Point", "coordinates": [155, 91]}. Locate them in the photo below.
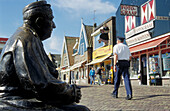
{"type": "Point", "coordinates": [70, 42]}
{"type": "Point", "coordinates": [89, 31]}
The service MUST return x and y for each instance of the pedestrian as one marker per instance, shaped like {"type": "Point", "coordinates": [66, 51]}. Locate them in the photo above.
{"type": "Point", "coordinates": [99, 75]}
{"type": "Point", "coordinates": [92, 76]}
{"type": "Point", "coordinates": [139, 79]}
{"type": "Point", "coordinates": [121, 67]}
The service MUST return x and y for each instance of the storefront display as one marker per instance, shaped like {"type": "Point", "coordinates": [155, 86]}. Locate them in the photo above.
{"type": "Point", "coordinates": [154, 64]}
{"type": "Point", "coordinates": [166, 64]}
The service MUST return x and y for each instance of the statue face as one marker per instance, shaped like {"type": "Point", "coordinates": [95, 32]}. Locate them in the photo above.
{"type": "Point", "coordinates": [47, 28]}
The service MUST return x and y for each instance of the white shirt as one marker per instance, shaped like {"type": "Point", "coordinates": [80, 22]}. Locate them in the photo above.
{"type": "Point", "coordinates": [122, 51]}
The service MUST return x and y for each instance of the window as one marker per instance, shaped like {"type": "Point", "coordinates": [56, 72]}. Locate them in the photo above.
{"type": "Point", "coordinates": [96, 42]}
{"type": "Point", "coordinates": [134, 67]}
{"type": "Point", "coordinates": [82, 49]}
{"type": "Point", "coordinates": [166, 64]}
{"type": "Point", "coordinates": [74, 51]}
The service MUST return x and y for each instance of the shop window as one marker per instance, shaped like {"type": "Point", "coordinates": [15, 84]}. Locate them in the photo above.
{"type": "Point", "coordinates": [134, 67]}
{"type": "Point", "coordinates": [154, 66]}
{"type": "Point", "coordinates": [166, 64]}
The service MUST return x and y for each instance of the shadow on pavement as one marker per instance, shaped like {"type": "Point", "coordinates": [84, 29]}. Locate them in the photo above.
{"type": "Point", "coordinates": [149, 96]}
{"type": "Point", "coordinates": [81, 86]}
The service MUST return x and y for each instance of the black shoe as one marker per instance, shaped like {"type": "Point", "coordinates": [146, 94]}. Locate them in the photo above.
{"type": "Point", "coordinates": [114, 96]}
{"type": "Point", "coordinates": [129, 97]}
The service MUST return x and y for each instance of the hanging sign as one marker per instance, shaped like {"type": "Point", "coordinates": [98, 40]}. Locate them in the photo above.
{"type": "Point", "coordinates": [129, 10]}
{"type": "Point", "coordinates": [162, 18]}
{"type": "Point", "coordinates": [140, 29]}
{"type": "Point", "coordinates": [138, 38]}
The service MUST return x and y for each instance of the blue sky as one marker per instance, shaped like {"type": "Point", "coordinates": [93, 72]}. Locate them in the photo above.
{"type": "Point", "coordinates": [67, 17]}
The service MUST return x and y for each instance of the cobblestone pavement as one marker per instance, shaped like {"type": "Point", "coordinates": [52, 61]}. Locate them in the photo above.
{"type": "Point", "coordinates": [145, 98]}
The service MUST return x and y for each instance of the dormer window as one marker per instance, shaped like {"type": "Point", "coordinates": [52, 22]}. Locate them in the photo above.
{"type": "Point", "coordinates": [82, 49]}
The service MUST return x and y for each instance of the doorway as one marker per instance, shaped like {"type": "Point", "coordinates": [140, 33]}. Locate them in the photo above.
{"type": "Point", "coordinates": [143, 69]}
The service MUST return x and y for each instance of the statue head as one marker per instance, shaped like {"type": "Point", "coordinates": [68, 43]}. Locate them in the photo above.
{"type": "Point", "coordinates": [38, 16]}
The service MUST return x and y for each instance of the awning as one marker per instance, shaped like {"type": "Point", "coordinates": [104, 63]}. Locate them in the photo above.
{"type": "Point", "coordinates": [98, 60]}
{"type": "Point", "coordinates": [147, 45]}
{"type": "Point", "coordinates": [77, 65]}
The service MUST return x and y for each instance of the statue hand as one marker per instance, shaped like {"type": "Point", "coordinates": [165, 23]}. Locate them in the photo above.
{"type": "Point", "coordinates": [77, 93]}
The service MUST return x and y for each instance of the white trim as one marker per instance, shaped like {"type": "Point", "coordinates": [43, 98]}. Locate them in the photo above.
{"type": "Point", "coordinates": [98, 60]}
{"type": "Point", "coordinates": [75, 45]}
{"type": "Point", "coordinates": [64, 44]}
{"type": "Point", "coordinates": [66, 70]}
{"type": "Point", "coordinates": [63, 66]}
{"type": "Point", "coordinates": [82, 49]}
{"type": "Point", "coordinates": [75, 54]}
{"type": "Point", "coordinates": [85, 36]}
{"type": "Point", "coordinates": [96, 32]}
{"type": "Point", "coordinates": [77, 65]}
{"type": "Point", "coordinates": [151, 39]}
{"type": "Point", "coordinates": [62, 51]}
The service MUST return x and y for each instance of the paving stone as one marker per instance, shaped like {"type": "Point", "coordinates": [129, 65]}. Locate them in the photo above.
{"type": "Point", "coordinates": [145, 98]}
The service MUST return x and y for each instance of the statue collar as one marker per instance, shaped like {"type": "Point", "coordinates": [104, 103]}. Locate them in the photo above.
{"type": "Point", "coordinates": [31, 30]}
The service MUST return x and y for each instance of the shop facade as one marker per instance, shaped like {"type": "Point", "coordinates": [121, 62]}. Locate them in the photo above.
{"type": "Point", "coordinates": [148, 37]}
{"type": "Point", "coordinates": [66, 58]}
{"type": "Point", "coordinates": [82, 55]}
{"type": "Point", "coordinates": [103, 50]}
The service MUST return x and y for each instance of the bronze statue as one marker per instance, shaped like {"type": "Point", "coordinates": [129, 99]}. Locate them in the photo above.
{"type": "Point", "coordinates": [26, 71]}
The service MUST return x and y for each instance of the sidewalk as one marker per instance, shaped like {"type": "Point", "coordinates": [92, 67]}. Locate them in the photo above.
{"type": "Point", "coordinates": [145, 98]}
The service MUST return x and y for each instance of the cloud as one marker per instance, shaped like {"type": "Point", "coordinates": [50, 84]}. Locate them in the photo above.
{"type": "Point", "coordinates": [84, 6]}
{"type": "Point", "coordinates": [53, 44]}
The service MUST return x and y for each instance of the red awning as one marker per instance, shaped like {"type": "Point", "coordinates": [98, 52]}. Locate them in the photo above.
{"type": "Point", "coordinates": [148, 45]}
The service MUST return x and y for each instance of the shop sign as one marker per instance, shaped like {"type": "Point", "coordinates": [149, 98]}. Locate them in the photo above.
{"type": "Point", "coordinates": [162, 18]}
{"type": "Point", "coordinates": [103, 51]}
{"type": "Point", "coordinates": [138, 38]}
{"type": "Point", "coordinates": [129, 10]}
{"type": "Point", "coordinates": [166, 63]}
{"type": "Point", "coordinates": [139, 29]}
{"type": "Point", "coordinates": [148, 11]}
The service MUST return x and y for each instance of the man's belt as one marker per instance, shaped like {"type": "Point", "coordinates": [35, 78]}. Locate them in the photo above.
{"type": "Point", "coordinates": [123, 60]}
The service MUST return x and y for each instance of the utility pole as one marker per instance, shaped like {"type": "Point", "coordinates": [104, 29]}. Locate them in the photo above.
{"type": "Point", "coordinates": [94, 16]}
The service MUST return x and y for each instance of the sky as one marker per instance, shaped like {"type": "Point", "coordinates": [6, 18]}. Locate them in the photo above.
{"type": "Point", "coordinates": [67, 18]}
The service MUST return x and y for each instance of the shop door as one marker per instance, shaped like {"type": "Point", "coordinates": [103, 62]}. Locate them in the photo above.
{"type": "Point", "coordinates": [143, 69]}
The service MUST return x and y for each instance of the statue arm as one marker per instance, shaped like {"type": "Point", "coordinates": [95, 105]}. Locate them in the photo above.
{"type": "Point", "coordinates": [34, 74]}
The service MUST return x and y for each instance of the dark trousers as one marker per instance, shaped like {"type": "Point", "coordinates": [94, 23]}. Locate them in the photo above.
{"type": "Point", "coordinates": [125, 72]}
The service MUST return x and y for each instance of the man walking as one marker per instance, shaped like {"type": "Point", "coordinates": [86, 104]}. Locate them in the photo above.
{"type": "Point", "coordinates": [99, 75]}
{"type": "Point", "coordinates": [121, 67]}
